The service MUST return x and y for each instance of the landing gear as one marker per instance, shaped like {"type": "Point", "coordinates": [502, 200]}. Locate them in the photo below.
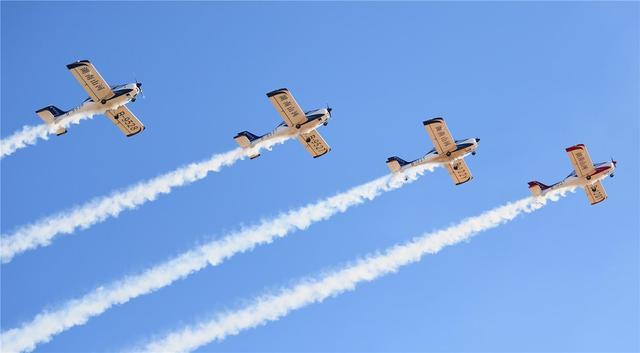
{"type": "Point", "coordinates": [611, 175]}
{"type": "Point", "coordinates": [133, 99]}
{"type": "Point", "coordinates": [593, 189]}
{"type": "Point", "coordinates": [455, 167]}
{"type": "Point", "coordinates": [473, 153]}
{"type": "Point", "coordinates": [325, 123]}
{"type": "Point", "coordinates": [448, 154]}
{"type": "Point", "coordinates": [588, 177]}
{"type": "Point", "coordinates": [308, 139]}
{"type": "Point", "coordinates": [298, 126]}
{"type": "Point", "coordinates": [104, 101]}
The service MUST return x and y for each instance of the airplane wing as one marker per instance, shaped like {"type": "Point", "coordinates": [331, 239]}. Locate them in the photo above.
{"type": "Point", "coordinates": [287, 106]}
{"type": "Point", "coordinates": [91, 81]}
{"type": "Point", "coordinates": [459, 171]}
{"type": "Point", "coordinates": [125, 120]}
{"type": "Point", "coordinates": [314, 143]}
{"type": "Point", "coordinates": [440, 135]}
{"type": "Point", "coordinates": [580, 159]}
{"type": "Point", "coordinates": [595, 192]}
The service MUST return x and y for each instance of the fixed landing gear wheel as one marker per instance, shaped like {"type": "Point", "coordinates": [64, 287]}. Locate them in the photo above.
{"type": "Point", "coordinates": [133, 99]}
{"type": "Point", "coordinates": [448, 154]}
{"type": "Point", "coordinates": [104, 101]}
{"type": "Point", "coordinates": [588, 177]}
{"type": "Point", "coordinates": [308, 140]}
{"type": "Point", "coordinates": [611, 175]}
{"type": "Point", "coordinates": [455, 168]}
{"type": "Point", "coordinates": [473, 153]}
{"type": "Point", "coordinates": [325, 123]}
{"type": "Point", "coordinates": [297, 126]}
{"type": "Point", "coordinates": [593, 189]}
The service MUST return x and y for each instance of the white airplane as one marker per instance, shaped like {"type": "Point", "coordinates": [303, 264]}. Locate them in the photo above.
{"type": "Point", "coordinates": [447, 152]}
{"type": "Point", "coordinates": [585, 174]}
{"type": "Point", "coordinates": [296, 122]}
{"type": "Point", "coordinates": [100, 94]}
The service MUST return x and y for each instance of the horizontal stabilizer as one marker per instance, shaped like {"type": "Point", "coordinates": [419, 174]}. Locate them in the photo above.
{"type": "Point", "coordinates": [396, 163]}
{"type": "Point", "coordinates": [537, 187]}
{"type": "Point", "coordinates": [245, 138]}
{"type": "Point", "coordinates": [49, 115]}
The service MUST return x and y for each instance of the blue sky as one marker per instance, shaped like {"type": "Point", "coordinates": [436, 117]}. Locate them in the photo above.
{"type": "Point", "coordinates": [528, 79]}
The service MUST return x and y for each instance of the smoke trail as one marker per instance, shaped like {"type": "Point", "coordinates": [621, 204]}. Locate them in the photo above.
{"type": "Point", "coordinates": [29, 135]}
{"type": "Point", "coordinates": [272, 307]}
{"type": "Point", "coordinates": [42, 231]}
{"type": "Point", "coordinates": [76, 312]}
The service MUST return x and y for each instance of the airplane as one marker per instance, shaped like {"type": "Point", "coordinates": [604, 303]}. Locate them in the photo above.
{"type": "Point", "coordinates": [296, 122]}
{"type": "Point", "coordinates": [585, 174]}
{"type": "Point", "coordinates": [447, 152]}
{"type": "Point", "coordinates": [100, 95]}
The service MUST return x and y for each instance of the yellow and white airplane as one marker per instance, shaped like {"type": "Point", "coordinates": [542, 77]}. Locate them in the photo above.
{"type": "Point", "coordinates": [447, 152]}
{"type": "Point", "coordinates": [296, 122]}
{"type": "Point", "coordinates": [585, 174]}
{"type": "Point", "coordinates": [100, 95]}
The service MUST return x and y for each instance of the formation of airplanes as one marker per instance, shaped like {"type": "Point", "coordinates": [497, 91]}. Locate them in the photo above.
{"type": "Point", "coordinates": [447, 151]}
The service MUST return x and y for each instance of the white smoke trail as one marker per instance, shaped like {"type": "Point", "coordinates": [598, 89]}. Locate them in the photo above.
{"type": "Point", "coordinates": [43, 231]}
{"type": "Point", "coordinates": [29, 135]}
{"type": "Point", "coordinates": [76, 312]}
{"type": "Point", "coordinates": [272, 307]}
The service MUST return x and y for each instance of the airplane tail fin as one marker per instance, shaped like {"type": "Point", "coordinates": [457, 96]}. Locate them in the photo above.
{"type": "Point", "coordinates": [49, 114]}
{"type": "Point", "coordinates": [537, 187]}
{"type": "Point", "coordinates": [245, 139]}
{"type": "Point", "coordinates": [396, 163]}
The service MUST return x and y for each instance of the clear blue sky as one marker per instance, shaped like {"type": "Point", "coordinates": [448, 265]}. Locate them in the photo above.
{"type": "Point", "coordinates": [528, 79]}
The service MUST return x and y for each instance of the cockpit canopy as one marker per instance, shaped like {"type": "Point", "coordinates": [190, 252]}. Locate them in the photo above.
{"type": "Point", "coordinates": [113, 88]}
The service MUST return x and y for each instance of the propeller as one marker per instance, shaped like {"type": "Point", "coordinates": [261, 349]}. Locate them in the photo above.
{"type": "Point", "coordinates": [139, 85]}
{"type": "Point", "coordinates": [326, 122]}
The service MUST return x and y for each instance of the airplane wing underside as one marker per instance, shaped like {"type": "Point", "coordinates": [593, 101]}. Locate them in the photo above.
{"type": "Point", "coordinates": [459, 171]}
{"type": "Point", "coordinates": [314, 143]}
{"type": "Point", "coordinates": [580, 159]}
{"type": "Point", "coordinates": [125, 120]}
{"type": "Point", "coordinates": [595, 192]}
{"type": "Point", "coordinates": [90, 80]}
{"type": "Point", "coordinates": [440, 135]}
{"type": "Point", "coordinates": [287, 106]}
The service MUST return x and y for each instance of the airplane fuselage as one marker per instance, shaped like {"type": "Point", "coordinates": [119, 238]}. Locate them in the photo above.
{"type": "Point", "coordinates": [602, 170]}
{"type": "Point", "coordinates": [463, 149]}
{"type": "Point", "coordinates": [123, 94]}
{"type": "Point", "coordinates": [315, 118]}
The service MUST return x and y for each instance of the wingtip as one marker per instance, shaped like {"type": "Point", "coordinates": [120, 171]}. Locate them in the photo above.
{"type": "Point", "coordinates": [280, 90]}
{"type": "Point", "coordinates": [137, 132]}
{"type": "Point", "coordinates": [77, 64]}
{"type": "Point", "coordinates": [466, 181]}
{"type": "Point", "coordinates": [432, 121]}
{"type": "Point", "coordinates": [575, 147]}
